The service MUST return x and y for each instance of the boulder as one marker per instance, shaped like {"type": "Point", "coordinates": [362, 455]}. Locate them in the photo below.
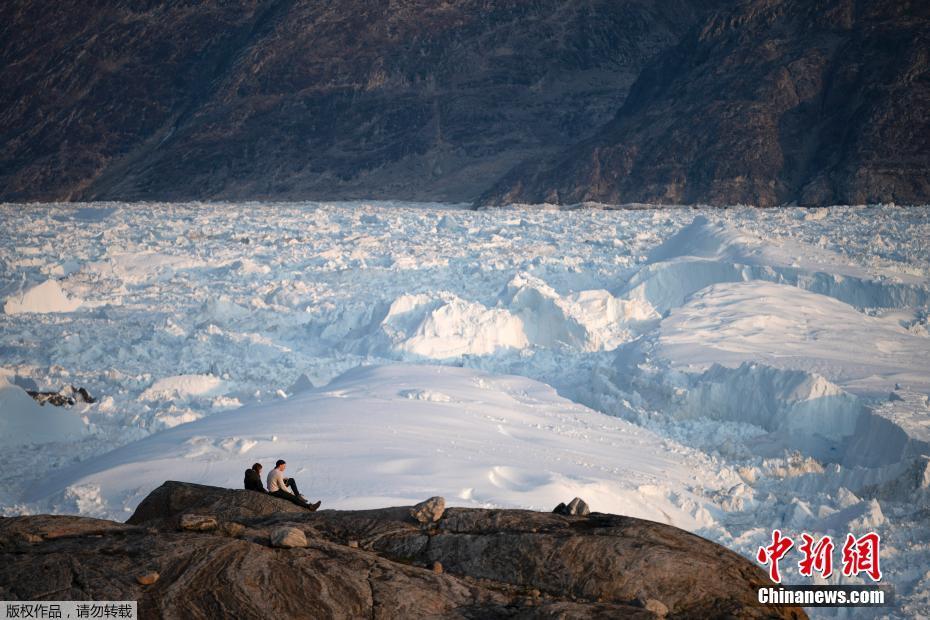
{"type": "Point", "coordinates": [288, 537]}
{"type": "Point", "coordinates": [575, 508]}
{"type": "Point", "coordinates": [164, 506]}
{"type": "Point", "coordinates": [494, 564]}
{"type": "Point", "coordinates": [429, 511]}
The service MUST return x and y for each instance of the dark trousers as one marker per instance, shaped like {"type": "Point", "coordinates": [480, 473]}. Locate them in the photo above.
{"type": "Point", "coordinates": [293, 497]}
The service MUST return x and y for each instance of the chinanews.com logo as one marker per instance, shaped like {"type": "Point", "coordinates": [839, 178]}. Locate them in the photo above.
{"type": "Point", "coordinates": [859, 558]}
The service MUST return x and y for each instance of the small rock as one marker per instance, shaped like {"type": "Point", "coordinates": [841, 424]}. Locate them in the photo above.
{"type": "Point", "coordinates": [67, 395]}
{"type": "Point", "coordinates": [32, 538]}
{"type": "Point", "coordinates": [232, 529]}
{"type": "Point", "coordinates": [657, 607]}
{"type": "Point", "coordinates": [575, 508]}
{"type": "Point", "coordinates": [353, 544]}
{"type": "Point", "coordinates": [288, 537]}
{"type": "Point", "coordinates": [437, 568]}
{"type": "Point", "coordinates": [198, 523]}
{"type": "Point", "coordinates": [429, 511]}
{"type": "Point", "coordinates": [892, 396]}
{"type": "Point", "coordinates": [148, 578]}
{"type": "Point", "coordinates": [578, 507]}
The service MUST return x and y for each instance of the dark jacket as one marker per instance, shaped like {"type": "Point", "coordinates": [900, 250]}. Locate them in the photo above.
{"type": "Point", "coordinates": [253, 481]}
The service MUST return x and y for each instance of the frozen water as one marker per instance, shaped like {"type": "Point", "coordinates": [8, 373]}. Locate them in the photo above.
{"type": "Point", "coordinates": [757, 368]}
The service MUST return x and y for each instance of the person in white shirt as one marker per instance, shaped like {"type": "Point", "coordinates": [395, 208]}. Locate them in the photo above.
{"type": "Point", "coordinates": [286, 488]}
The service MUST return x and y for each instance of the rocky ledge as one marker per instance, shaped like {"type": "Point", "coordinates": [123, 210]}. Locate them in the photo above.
{"type": "Point", "coordinates": [204, 552]}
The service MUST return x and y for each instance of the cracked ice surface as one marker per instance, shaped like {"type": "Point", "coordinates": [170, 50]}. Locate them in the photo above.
{"type": "Point", "coordinates": [726, 371]}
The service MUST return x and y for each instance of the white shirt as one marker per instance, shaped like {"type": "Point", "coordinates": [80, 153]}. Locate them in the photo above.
{"type": "Point", "coordinates": [276, 481]}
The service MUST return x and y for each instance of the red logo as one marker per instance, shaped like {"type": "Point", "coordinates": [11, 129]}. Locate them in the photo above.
{"type": "Point", "coordinates": [773, 553]}
{"type": "Point", "coordinates": [817, 557]}
{"type": "Point", "coordinates": [860, 555]}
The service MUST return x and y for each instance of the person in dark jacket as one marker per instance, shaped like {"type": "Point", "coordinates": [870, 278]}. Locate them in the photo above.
{"type": "Point", "coordinates": [253, 478]}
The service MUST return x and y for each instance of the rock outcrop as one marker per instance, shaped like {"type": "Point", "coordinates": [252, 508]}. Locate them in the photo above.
{"type": "Point", "coordinates": [472, 563]}
{"type": "Point", "coordinates": [409, 99]}
{"type": "Point", "coordinates": [774, 101]}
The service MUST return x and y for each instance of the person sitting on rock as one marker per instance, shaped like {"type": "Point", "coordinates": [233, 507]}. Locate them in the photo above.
{"type": "Point", "coordinates": [253, 478]}
{"type": "Point", "coordinates": [286, 488]}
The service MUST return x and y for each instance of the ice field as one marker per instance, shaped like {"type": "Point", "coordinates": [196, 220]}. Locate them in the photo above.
{"type": "Point", "coordinates": [727, 371]}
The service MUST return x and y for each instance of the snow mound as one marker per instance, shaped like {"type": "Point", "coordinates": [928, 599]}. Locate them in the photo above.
{"type": "Point", "coordinates": [528, 313]}
{"type": "Point", "coordinates": [362, 443]}
{"type": "Point", "coordinates": [705, 253]}
{"type": "Point", "coordinates": [546, 317]}
{"type": "Point", "coordinates": [457, 327]}
{"type": "Point", "coordinates": [24, 422]}
{"type": "Point", "coordinates": [792, 328]}
{"type": "Point", "coordinates": [184, 387]}
{"type": "Point", "coordinates": [42, 298]}
{"type": "Point", "coordinates": [589, 320]}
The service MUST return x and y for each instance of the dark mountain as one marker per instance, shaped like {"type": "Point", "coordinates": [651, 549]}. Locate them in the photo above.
{"type": "Point", "coordinates": [408, 99]}
{"type": "Point", "coordinates": [774, 101]}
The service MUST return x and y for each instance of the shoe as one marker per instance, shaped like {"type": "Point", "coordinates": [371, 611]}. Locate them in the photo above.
{"type": "Point", "coordinates": [313, 507]}
{"type": "Point", "coordinates": [303, 497]}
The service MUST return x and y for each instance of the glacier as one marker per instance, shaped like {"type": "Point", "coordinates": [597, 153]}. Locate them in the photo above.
{"type": "Point", "coordinates": [728, 371]}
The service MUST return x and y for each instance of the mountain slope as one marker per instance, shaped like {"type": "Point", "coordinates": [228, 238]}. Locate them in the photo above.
{"type": "Point", "coordinates": [777, 101]}
{"type": "Point", "coordinates": [406, 99]}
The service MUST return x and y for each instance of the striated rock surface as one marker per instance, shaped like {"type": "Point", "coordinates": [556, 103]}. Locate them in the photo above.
{"type": "Point", "coordinates": [409, 99]}
{"type": "Point", "coordinates": [476, 563]}
{"type": "Point", "coordinates": [771, 102]}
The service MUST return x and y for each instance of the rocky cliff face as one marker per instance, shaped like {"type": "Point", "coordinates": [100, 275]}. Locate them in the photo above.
{"type": "Point", "coordinates": [407, 99]}
{"type": "Point", "coordinates": [203, 552]}
{"type": "Point", "coordinates": [735, 101]}
{"type": "Point", "coordinates": [772, 102]}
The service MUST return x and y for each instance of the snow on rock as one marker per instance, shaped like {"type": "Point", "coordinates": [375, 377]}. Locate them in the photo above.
{"type": "Point", "coordinates": [43, 298]}
{"type": "Point", "coordinates": [359, 442]}
{"type": "Point", "coordinates": [303, 384]}
{"type": "Point", "coordinates": [24, 422]}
